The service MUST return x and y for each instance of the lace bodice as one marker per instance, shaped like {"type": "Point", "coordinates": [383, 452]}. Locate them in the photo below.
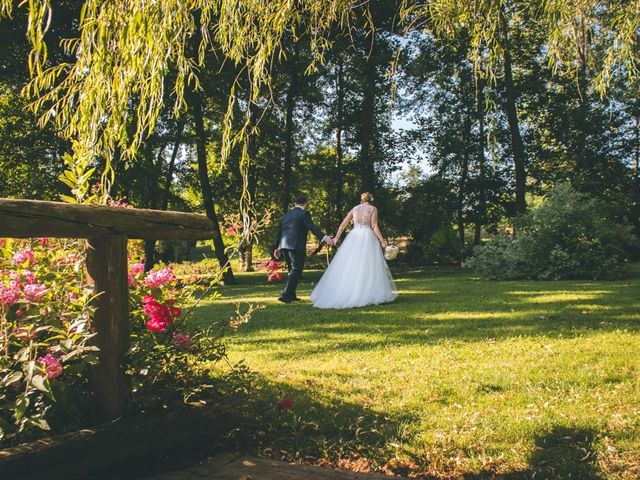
{"type": "Point", "coordinates": [362, 214]}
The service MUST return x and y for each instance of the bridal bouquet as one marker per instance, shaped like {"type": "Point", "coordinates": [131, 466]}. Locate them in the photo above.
{"type": "Point", "coordinates": [391, 252]}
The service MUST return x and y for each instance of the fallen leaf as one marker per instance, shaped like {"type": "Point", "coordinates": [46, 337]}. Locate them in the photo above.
{"type": "Point", "coordinates": [247, 463]}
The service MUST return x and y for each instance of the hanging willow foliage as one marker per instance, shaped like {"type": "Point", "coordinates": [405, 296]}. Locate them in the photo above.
{"type": "Point", "coordinates": [109, 98]}
{"type": "Point", "coordinates": [575, 29]}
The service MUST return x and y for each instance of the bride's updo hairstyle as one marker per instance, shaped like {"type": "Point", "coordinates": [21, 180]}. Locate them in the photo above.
{"type": "Point", "coordinates": [366, 197]}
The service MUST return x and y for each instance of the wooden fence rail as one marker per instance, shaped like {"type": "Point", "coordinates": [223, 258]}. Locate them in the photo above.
{"type": "Point", "coordinates": [107, 229]}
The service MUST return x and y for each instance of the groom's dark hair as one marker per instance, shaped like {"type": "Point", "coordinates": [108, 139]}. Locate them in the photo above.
{"type": "Point", "coordinates": [301, 200]}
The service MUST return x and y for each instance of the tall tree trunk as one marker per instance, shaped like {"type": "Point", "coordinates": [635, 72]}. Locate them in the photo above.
{"type": "Point", "coordinates": [517, 146]}
{"type": "Point", "coordinates": [205, 186]}
{"type": "Point", "coordinates": [636, 179]}
{"type": "Point", "coordinates": [118, 189]}
{"type": "Point", "coordinates": [636, 146]}
{"type": "Point", "coordinates": [172, 162]}
{"type": "Point", "coordinates": [367, 131]}
{"type": "Point", "coordinates": [462, 185]}
{"type": "Point", "coordinates": [587, 172]}
{"type": "Point", "coordinates": [339, 178]}
{"type": "Point", "coordinates": [153, 178]}
{"type": "Point", "coordinates": [246, 248]}
{"type": "Point", "coordinates": [289, 131]}
{"type": "Point", "coordinates": [150, 245]}
{"type": "Point", "coordinates": [481, 214]}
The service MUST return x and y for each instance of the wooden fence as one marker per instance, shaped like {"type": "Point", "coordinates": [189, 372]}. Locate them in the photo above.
{"type": "Point", "coordinates": [107, 230]}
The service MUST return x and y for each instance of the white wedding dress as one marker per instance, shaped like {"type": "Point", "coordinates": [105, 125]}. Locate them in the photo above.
{"type": "Point", "coordinates": [358, 275]}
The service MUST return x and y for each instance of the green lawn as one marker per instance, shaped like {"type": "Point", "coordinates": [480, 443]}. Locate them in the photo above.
{"type": "Point", "coordinates": [460, 378]}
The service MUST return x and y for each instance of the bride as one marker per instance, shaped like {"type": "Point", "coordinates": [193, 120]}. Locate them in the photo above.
{"type": "Point", "coordinates": [358, 275]}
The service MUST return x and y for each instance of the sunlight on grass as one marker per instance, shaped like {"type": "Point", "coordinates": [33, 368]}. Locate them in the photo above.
{"type": "Point", "coordinates": [458, 377]}
{"type": "Point", "coordinates": [537, 297]}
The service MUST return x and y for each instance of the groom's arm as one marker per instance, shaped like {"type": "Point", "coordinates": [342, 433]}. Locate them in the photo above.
{"type": "Point", "coordinates": [314, 228]}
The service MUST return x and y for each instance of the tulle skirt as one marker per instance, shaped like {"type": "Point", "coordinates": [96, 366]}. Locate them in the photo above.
{"type": "Point", "coordinates": [357, 276]}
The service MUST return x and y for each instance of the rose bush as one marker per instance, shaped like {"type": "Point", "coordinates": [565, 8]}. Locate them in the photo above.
{"type": "Point", "coordinates": [45, 337]}
{"type": "Point", "coordinates": [169, 359]}
{"type": "Point", "coordinates": [45, 351]}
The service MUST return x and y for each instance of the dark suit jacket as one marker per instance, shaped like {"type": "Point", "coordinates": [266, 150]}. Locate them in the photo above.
{"type": "Point", "coordinates": [293, 229]}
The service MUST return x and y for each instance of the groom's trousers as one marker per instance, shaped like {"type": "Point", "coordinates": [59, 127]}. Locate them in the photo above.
{"type": "Point", "coordinates": [295, 263]}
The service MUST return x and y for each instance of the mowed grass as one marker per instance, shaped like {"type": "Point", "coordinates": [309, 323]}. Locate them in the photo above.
{"type": "Point", "coordinates": [459, 378]}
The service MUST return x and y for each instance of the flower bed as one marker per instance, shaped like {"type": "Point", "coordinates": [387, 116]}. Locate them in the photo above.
{"type": "Point", "coordinates": [45, 351]}
{"type": "Point", "coordinates": [46, 346]}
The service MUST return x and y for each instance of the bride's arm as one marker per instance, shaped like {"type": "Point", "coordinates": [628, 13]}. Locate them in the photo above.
{"type": "Point", "coordinates": [376, 229]}
{"type": "Point", "coordinates": [343, 225]}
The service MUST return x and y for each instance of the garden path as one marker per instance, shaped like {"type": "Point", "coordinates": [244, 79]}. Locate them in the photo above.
{"type": "Point", "coordinates": [241, 467]}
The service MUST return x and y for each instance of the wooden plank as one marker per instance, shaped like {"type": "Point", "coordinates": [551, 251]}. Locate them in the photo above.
{"type": "Point", "coordinates": [107, 269]}
{"type": "Point", "coordinates": [234, 467]}
{"type": "Point", "coordinates": [34, 218]}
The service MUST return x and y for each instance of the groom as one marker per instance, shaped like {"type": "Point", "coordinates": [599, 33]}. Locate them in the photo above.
{"type": "Point", "coordinates": [291, 243]}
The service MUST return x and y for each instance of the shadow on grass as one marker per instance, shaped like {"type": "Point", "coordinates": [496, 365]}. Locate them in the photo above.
{"type": "Point", "coordinates": [434, 306]}
{"type": "Point", "coordinates": [311, 428]}
{"type": "Point", "coordinates": [351, 436]}
{"type": "Point", "coordinates": [563, 453]}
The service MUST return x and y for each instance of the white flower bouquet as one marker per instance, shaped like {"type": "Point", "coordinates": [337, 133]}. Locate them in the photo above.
{"type": "Point", "coordinates": [391, 252]}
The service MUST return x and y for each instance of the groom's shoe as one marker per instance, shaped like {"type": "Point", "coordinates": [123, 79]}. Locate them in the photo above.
{"type": "Point", "coordinates": [284, 300]}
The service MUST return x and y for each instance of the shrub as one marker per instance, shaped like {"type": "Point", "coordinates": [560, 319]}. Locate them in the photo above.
{"type": "Point", "coordinates": [570, 235]}
{"type": "Point", "coordinates": [45, 314]}
{"type": "Point", "coordinates": [45, 337]}
{"type": "Point", "coordinates": [168, 358]}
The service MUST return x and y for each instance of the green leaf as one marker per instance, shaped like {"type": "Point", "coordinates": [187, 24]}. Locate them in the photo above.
{"type": "Point", "coordinates": [40, 382]}
{"type": "Point", "coordinates": [68, 199]}
{"type": "Point", "coordinates": [12, 378]}
{"type": "Point", "coordinates": [40, 423]}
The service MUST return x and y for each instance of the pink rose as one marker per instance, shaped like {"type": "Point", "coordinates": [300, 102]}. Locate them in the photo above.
{"type": "Point", "coordinates": [24, 255]}
{"type": "Point", "coordinates": [155, 324]}
{"type": "Point", "coordinates": [44, 241]}
{"type": "Point", "coordinates": [31, 278]}
{"type": "Point", "coordinates": [10, 294]}
{"type": "Point", "coordinates": [34, 292]}
{"type": "Point", "coordinates": [52, 366]}
{"type": "Point", "coordinates": [148, 299]}
{"type": "Point", "coordinates": [182, 340]}
{"type": "Point", "coordinates": [136, 268]}
{"type": "Point", "coordinates": [160, 277]}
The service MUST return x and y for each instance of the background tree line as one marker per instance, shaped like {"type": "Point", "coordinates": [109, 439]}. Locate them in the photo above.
{"type": "Point", "coordinates": [452, 155]}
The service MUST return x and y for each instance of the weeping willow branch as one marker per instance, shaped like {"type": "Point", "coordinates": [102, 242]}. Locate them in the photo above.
{"type": "Point", "coordinates": [574, 29]}
{"type": "Point", "coordinates": [110, 97]}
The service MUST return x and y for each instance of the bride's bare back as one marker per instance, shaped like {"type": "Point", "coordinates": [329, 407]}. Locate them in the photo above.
{"type": "Point", "coordinates": [366, 215]}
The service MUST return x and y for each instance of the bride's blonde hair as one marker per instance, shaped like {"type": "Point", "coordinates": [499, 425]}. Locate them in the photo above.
{"type": "Point", "coordinates": [366, 197]}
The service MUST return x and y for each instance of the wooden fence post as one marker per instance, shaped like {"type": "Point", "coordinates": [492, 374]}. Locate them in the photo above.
{"type": "Point", "coordinates": [107, 229]}
{"type": "Point", "coordinates": [107, 268]}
